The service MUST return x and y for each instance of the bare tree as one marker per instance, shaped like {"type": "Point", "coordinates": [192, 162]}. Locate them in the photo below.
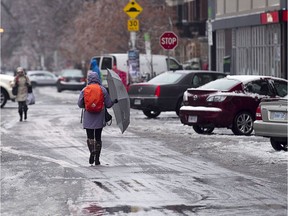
{"type": "Point", "coordinates": [101, 27]}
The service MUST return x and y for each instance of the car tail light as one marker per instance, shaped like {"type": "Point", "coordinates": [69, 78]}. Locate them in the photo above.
{"type": "Point", "coordinates": [62, 78]}
{"type": "Point", "coordinates": [157, 91]}
{"type": "Point", "coordinates": [83, 79]}
{"type": "Point", "coordinates": [258, 113]}
{"type": "Point", "coordinates": [216, 98]}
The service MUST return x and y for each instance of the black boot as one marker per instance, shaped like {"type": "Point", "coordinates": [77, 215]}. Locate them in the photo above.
{"type": "Point", "coordinates": [21, 116]}
{"type": "Point", "coordinates": [98, 152]}
{"type": "Point", "coordinates": [25, 112]}
{"type": "Point", "coordinates": [91, 147]}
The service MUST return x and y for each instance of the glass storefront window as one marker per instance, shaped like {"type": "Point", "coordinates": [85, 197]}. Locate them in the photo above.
{"type": "Point", "coordinates": [220, 7]}
{"type": "Point", "coordinates": [273, 3]}
{"type": "Point", "coordinates": [245, 5]}
{"type": "Point", "coordinates": [258, 4]}
{"type": "Point", "coordinates": [231, 6]}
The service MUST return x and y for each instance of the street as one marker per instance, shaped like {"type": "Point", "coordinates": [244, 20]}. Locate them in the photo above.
{"type": "Point", "coordinates": [157, 167]}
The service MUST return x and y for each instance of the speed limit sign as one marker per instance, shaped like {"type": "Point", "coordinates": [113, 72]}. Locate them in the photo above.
{"type": "Point", "coordinates": [133, 25]}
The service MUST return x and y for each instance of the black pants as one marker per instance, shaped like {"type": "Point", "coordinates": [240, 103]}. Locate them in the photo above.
{"type": "Point", "coordinates": [94, 133]}
{"type": "Point", "coordinates": [22, 106]}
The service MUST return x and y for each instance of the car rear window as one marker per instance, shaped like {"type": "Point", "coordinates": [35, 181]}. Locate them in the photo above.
{"type": "Point", "coordinates": [220, 84]}
{"type": "Point", "coordinates": [166, 78]}
{"type": "Point", "coordinates": [75, 73]}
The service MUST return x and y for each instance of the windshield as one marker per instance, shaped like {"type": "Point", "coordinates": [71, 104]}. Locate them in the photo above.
{"type": "Point", "coordinates": [166, 78]}
{"type": "Point", "coordinates": [220, 84]}
{"type": "Point", "coordinates": [74, 73]}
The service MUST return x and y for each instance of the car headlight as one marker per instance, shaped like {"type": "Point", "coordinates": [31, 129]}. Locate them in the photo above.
{"type": "Point", "coordinates": [216, 98]}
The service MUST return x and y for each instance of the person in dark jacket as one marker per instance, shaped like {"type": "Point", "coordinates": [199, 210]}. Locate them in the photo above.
{"type": "Point", "coordinates": [94, 122]}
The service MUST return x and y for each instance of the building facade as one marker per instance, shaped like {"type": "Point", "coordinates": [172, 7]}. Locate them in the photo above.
{"type": "Point", "coordinates": [249, 36]}
{"type": "Point", "coordinates": [191, 24]}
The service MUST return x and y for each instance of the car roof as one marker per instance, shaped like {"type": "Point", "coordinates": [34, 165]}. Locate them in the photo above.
{"type": "Point", "coordinates": [194, 71]}
{"type": "Point", "coordinates": [249, 78]}
{"type": "Point", "coordinates": [37, 71]}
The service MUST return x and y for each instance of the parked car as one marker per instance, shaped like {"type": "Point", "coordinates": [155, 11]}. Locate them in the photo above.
{"type": "Point", "coordinates": [42, 78]}
{"type": "Point", "coordinates": [71, 79]}
{"type": "Point", "coordinates": [271, 121]}
{"type": "Point", "coordinates": [229, 102]}
{"type": "Point", "coordinates": [165, 91]}
{"type": "Point", "coordinates": [6, 88]}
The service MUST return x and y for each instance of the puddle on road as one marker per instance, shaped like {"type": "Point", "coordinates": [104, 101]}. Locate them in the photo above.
{"type": "Point", "coordinates": [181, 209]}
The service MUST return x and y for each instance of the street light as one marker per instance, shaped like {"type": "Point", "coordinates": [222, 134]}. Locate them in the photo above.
{"type": "Point", "coordinates": [1, 30]}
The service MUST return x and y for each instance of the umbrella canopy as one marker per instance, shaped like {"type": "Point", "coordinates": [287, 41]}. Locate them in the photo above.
{"type": "Point", "coordinates": [118, 91]}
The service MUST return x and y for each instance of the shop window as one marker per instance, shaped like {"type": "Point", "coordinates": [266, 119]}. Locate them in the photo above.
{"type": "Point", "coordinates": [231, 6]}
{"type": "Point", "coordinates": [258, 4]}
{"type": "Point", "coordinates": [273, 3]}
{"type": "Point", "coordinates": [244, 5]}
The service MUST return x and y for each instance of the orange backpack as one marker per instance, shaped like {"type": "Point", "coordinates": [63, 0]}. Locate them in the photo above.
{"type": "Point", "coordinates": [93, 98]}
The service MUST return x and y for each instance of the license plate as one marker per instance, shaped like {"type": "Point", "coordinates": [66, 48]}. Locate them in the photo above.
{"type": "Point", "coordinates": [192, 119]}
{"type": "Point", "coordinates": [137, 102]}
{"type": "Point", "coordinates": [278, 115]}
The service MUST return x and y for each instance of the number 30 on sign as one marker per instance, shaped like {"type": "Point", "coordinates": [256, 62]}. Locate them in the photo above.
{"type": "Point", "coordinates": [133, 25]}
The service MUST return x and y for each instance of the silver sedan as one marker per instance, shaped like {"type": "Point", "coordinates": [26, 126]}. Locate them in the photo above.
{"type": "Point", "coordinates": [271, 121]}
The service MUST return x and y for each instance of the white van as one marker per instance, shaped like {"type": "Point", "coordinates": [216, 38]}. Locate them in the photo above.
{"type": "Point", "coordinates": [119, 62]}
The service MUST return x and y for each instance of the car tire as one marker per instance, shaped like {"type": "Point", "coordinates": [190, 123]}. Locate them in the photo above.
{"type": "Point", "coordinates": [278, 145]}
{"type": "Point", "coordinates": [59, 90]}
{"type": "Point", "coordinates": [151, 113]}
{"type": "Point", "coordinates": [203, 130]}
{"type": "Point", "coordinates": [243, 124]}
{"type": "Point", "coordinates": [4, 97]}
{"type": "Point", "coordinates": [179, 105]}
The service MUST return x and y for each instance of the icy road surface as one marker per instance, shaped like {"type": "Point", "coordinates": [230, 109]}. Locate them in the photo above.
{"type": "Point", "coordinates": [157, 167]}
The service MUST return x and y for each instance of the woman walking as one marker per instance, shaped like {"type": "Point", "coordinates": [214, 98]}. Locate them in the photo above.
{"type": "Point", "coordinates": [23, 83]}
{"type": "Point", "coordinates": [94, 121]}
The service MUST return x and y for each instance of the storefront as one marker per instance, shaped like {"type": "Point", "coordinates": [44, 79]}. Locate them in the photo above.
{"type": "Point", "coordinates": [251, 44]}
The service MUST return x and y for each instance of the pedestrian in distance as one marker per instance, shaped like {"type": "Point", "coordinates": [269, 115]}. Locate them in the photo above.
{"type": "Point", "coordinates": [94, 98]}
{"type": "Point", "coordinates": [95, 68]}
{"type": "Point", "coordinates": [23, 87]}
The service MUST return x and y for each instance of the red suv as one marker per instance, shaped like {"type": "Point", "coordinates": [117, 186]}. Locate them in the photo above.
{"type": "Point", "coordinates": [230, 102]}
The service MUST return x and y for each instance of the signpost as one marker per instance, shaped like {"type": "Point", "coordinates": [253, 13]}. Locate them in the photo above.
{"type": "Point", "coordinates": [133, 25]}
{"type": "Point", "coordinates": [168, 40]}
{"type": "Point", "coordinates": [132, 9]}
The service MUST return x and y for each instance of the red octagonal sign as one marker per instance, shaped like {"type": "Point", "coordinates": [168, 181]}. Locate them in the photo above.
{"type": "Point", "coordinates": [168, 40]}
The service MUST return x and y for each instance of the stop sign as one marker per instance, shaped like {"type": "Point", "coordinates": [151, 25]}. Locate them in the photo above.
{"type": "Point", "coordinates": [168, 40]}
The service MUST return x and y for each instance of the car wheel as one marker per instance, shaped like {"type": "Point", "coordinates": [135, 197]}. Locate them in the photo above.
{"type": "Point", "coordinates": [151, 113]}
{"type": "Point", "coordinates": [243, 124]}
{"type": "Point", "coordinates": [179, 105]}
{"type": "Point", "coordinates": [278, 145]}
{"type": "Point", "coordinates": [59, 90]}
{"type": "Point", "coordinates": [4, 97]}
{"type": "Point", "coordinates": [203, 130]}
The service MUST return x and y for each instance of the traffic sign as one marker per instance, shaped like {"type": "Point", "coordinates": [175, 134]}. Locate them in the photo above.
{"type": "Point", "coordinates": [133, 25]}
{"type": "Point", "coordinates": [168, 40]}
{"type": "Point", "coordinates": [132, 9]}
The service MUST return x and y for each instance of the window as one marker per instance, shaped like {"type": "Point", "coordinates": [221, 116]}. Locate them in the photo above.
{"type": "Point", "coordinates": [220, 84]}
{"type": "Point", "coordinates": [173, 65]}
{"type": "Point", "coordinates": [231, 6]}
{"type": "Point", "coordinates": [260, 87]}
{"type": "Point", "coordinates": [106, 63]}
{"type": "Point", "coordinates": [258, 4]}
{"type": "Point", "coordinates": [280, 87]}
{"type": "Point", "coordinates": [244, 5]}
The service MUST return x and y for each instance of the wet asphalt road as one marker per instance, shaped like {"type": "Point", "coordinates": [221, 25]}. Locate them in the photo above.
{"type": "Point", "coordinates": [154, 168]}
